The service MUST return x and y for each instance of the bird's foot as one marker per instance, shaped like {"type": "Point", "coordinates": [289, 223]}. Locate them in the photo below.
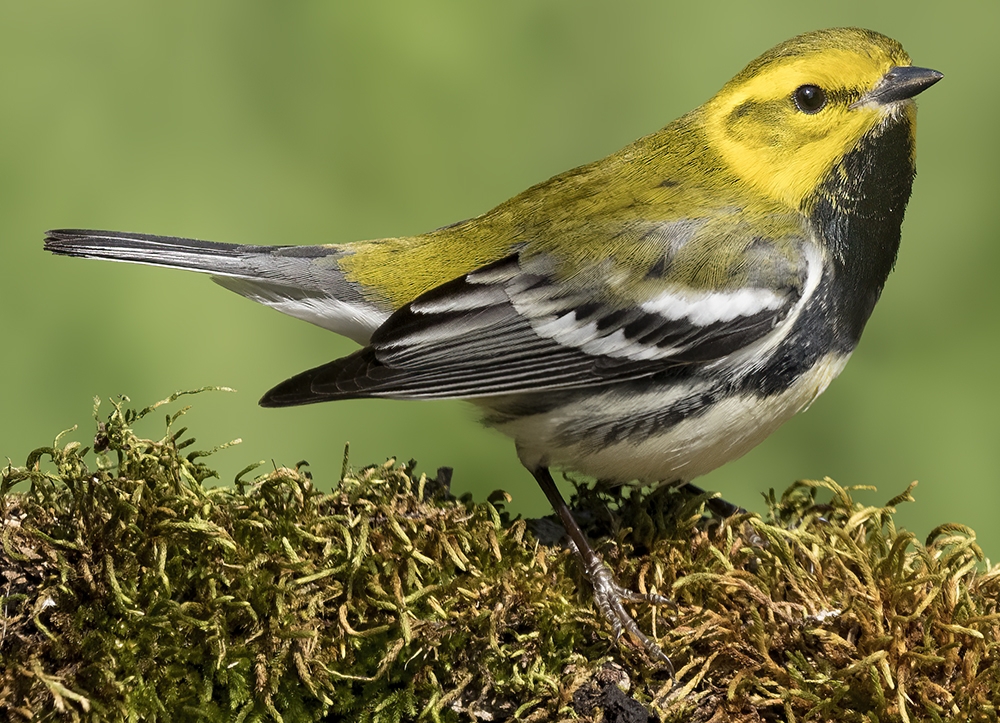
{"type": "Point", "coordinates": [610, 598]}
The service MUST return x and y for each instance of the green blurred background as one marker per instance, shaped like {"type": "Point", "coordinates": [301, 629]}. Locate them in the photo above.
{"type": "Point", "coordinates": [314, 122]}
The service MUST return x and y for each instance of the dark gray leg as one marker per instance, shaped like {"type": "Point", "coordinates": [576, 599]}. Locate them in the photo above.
{"type": "Point", "coordinates": [608, 594]}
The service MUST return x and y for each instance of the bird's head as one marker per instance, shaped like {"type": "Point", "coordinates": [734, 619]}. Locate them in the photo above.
{"type": "Point", "coordinates": [783, 123]}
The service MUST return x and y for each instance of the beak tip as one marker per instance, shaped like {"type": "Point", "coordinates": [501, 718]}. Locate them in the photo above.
{"type": "Point", "coordinates": [903, 82]}
{"type": "Point", "coordinates": [933, 76]}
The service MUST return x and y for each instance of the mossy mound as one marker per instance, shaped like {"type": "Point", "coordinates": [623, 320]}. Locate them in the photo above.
{"type": "Point", "coordinates": [131, 591]}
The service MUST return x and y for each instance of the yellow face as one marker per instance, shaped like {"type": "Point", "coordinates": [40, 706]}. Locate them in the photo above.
{"type": "Point", "coordinates": [782, 123]}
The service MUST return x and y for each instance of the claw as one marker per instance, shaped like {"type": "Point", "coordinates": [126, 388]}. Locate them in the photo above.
{"type": "Point", "coordinates": [609, 596]}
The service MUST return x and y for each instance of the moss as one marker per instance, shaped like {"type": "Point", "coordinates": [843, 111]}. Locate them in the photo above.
{"type": "Point", "coordinates": [132, 591]}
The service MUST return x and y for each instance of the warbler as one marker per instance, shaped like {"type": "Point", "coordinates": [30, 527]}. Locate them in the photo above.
{"type": "Point", "coordinates": [642, 319]}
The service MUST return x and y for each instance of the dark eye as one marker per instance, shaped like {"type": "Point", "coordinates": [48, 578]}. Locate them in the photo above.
{"type": "Point", "coordinates": [809, 98]}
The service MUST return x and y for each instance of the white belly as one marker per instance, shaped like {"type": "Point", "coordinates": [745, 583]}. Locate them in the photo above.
{"type": "Point", "coordinates": [692, 447]}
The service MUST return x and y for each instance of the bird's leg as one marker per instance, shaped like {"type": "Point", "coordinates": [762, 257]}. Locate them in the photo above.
{"type": "Point", "coordinates": [608, 594]}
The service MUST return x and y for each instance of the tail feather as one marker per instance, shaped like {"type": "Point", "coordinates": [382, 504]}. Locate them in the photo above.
{"type": "Point", "coordinates": [183, 253]}
{"type": "Point", "coordinates": [301, 281]}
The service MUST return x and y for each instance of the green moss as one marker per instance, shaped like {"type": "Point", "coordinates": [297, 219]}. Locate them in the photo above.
{"type": "Point", "coordinates": [131, 591]}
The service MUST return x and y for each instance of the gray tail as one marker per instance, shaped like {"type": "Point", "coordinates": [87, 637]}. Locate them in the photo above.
{"type": "Point", "coordinates": [139, 248]}
{"type": "Point", "coordinates": [301, 281]}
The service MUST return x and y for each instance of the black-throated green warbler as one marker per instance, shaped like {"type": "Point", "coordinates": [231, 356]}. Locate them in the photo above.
{"type": "Point", "coordinates": [641, 319]}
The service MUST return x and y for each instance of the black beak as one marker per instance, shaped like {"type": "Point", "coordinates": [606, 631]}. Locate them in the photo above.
{"type": "Point", "coordinates": [900, 83]}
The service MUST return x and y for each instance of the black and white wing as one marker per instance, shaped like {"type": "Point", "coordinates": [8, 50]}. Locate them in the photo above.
{"type": "Point", "coordinates": [511, 327]}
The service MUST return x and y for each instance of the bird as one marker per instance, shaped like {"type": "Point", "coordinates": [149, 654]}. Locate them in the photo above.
{"type": "Point", "coordinates": [642, 319]}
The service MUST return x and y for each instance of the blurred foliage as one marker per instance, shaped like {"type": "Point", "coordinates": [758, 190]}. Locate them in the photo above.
{"type": "Point", "coordinates": [314, 121]}
{"type": "Point", "coordinates": [133, 592]}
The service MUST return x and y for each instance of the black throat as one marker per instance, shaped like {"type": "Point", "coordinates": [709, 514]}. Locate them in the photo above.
{"type": "Point", "coordinates": [859, 211]}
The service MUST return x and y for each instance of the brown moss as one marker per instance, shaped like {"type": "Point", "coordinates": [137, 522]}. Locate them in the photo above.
{"type": "Point", "coordinates": [132, 590]}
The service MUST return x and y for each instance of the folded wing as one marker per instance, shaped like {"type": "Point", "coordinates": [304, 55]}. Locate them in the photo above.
{"type": "Point", "coordinates": [513, 327]}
